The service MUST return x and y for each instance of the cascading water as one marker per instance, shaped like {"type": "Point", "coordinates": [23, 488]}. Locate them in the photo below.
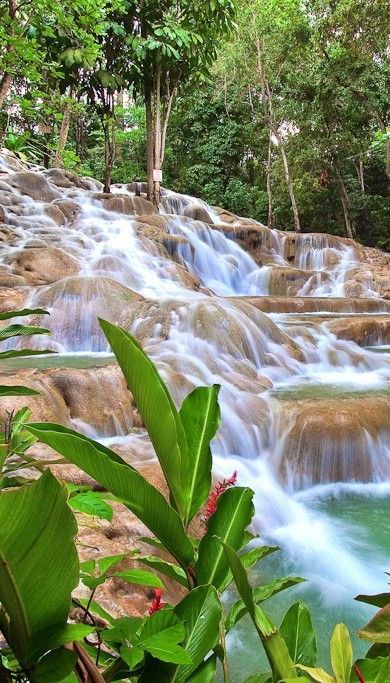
{"type": "Point", "coordinates": [305, 410]}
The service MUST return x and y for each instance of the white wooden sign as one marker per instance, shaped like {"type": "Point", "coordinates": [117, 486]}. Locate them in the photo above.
{"type": "Point", "coordinates": [157, 175]}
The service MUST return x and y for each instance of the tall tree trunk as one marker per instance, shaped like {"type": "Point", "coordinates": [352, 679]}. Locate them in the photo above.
{"type": "Point", "coordinates": [108, 125]}
{"type": "Point", "coordinates": [269, 183]}
{"type": "Point", "coordinates": [149, 141]}
{"type": "Point", "coordinates": [120, 123]}
{"type": "Point", "coordinates": [269, 115]}
{"type": "Point", "coordinates": [63, 137]}
{"type": "Point", "coordinates": [157, 136]}
{"type": "Point", "coordinates": [360, 174]}
{"type": "Point", "coordinates": [349, 229]}
{"type": "Point", "coordinates": [289, 181]}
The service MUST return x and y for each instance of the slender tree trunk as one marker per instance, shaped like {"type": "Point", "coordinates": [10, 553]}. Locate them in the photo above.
{"type": "Point", "coordinates": [149, 141]}
{"type": "Point", "coordinates": [157, 136]}
{"type": "Point", "coordinates": [349, 229]}
{"type": "Point", "coordinates": [120, 123]}
{"type": "Point", "coordinates": [108, 125]}
{"type": "Point", "coordinates": [360, 174]}
{"type": "Point", "coordinates": [289, 181]}
{"type": "Point", "coordinates": [269, 183]}
{"type": "Point", "coordinates": [5, 85]}
{"type": "Point", "coordinates": [268, 110]}
{"type": "Point", "coordinates": [63, 137]}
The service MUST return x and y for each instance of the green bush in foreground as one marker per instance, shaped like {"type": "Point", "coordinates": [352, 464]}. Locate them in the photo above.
{"type": "Point", "coordinates": [39, 566]}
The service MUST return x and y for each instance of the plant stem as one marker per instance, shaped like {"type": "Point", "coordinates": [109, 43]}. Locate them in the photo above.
{"type": "Point", "coordinates": [223, 645]}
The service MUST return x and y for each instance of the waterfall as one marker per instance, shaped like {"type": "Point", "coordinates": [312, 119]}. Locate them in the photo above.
{"type": "Point", "coordinates": [303, 407]}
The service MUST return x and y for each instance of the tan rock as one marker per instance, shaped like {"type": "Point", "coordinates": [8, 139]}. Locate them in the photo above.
{"type": "Point", "coordinates": [44, 265]}
{"type": "Point", "coordinates": [34, 185]}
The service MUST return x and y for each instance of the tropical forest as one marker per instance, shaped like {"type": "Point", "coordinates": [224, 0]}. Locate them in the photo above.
{"type": "Point", "coordinates": [195, 341]}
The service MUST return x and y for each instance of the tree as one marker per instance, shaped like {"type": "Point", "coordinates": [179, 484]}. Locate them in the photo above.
{"type": "Point", "coordinates": [175, 44]}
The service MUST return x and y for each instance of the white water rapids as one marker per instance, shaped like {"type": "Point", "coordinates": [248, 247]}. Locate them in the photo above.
{"type": "Point", "coordinates": [299, 404]}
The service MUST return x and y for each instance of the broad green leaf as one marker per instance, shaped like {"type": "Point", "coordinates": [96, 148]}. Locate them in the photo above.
{"type": "Point", "coordinates": [90, 503]}
{"type": "Point", "coordinates": [55, 666]}
{"type": "Point", "coordinates": [201, 612]}
{"type": "Point", "coordinates": [24, 352]}
{"type": "Point", "coordinates": [317, 674]}
{"type": "Point", "coordinates": [298, 634]}
{"type": "Point", "coordinates": [273, 643]}
{"type": "Point", "coordinates": [259, 618]}
{"type": "Point", "coordinates": [205, 673]}
{"type": "Point", "coordinates": [234, 513]}
{"type": "Point", "coordinates": [21, 331]}
{"type": "Point", "coordinates": [122, 630]}
{"type": "Point", "coordinates": [148, 504]}
{"type": "Point", "coordinates": [25, 311]}
{"type": "Point", "coordinates": [378, 629]}
{"type": "Point", "coordinates": [379, 600]}
{"type": "Point", "coordinates": [131, 656]}
{"type": "Point", "coordinates": [165, 645]}
{"type": "Point", "coordinates": [139, 577]}
{"type": "Point", "coordinates": [14, 390]}
{"type": "Point", "coordinates": [372, 670]}
{"type": "Point", "coordinates": [248, 559]}
{"type": "Point", "coordinates": [54, 637]}
{"type": "Point", "coordinates": [260, 593]}
{"type": "Point", "coordinates": [200, 417]}
{"type": "Point", "coordinates": [39, 565]}
{"type": "Point", "coordinates": [157, 410]}
{"type": "Point", "coordinates": [168, 568]}
{"type": "Point", "coordinates": [105, 564]}
{"type": "Point", "coordinates": [341, 653]}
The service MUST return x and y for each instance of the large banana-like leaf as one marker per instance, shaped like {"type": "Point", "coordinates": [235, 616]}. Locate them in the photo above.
{"type": "Point", "coordinates": [25, 311]}
{"type": "Point", "coordinates": [234, 513]}
{"type": "Point", "coordinates": [299, 635]}
{"type": "Point", "coordinates": [4, 355]}
{"type": "Point", "coordinates": [273, 643]}
{"type": "Point", "coordinates": [148, 504]}
{"type": "Point", "coordinates": [200, 417]}
{"type": "Point", "coordinates": [38, 562]}
{"type": "Point", "coordinates": [21, 331]}
{"type": "Point", "coordinates": [201, 612]}
{"type": "Point", "coordinates": [157, 409]}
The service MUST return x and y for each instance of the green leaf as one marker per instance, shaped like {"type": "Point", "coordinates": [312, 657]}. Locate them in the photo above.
{"type": "Point", "coordinates": [273, 643]}
{"type": "Point", "coordinates": [14, 390]}
{"type": "Point", "coordinates": [54, 637]}
{"type": "Point", "coordinates": [341, 653]}
{"type": "Point", "coordinates": [148, 504]}
{"type": "Point", "coordinates": [373, 670]}
{"type": "Point", "coordinates": [260, 593]}
{"type": "Point", "coordinates": [25, 311]}
{"type": "Point", "coordinates": [21, 331]}
{"type": "Point", "coordinates": [91, 503]}
{"type": "Point", "coordinates": [378, 629]}
{"type": "Point", "coordinates": [234, 513]}
{"type": "Point", "coordinates": [379, 600]}
{"type": "Point", "coordinates": [157, 410]}
{"type": "Point", "coordinates": [164, 645]}
{"type": "Point", "coordinates": [55, 666]}
{"type": "Point", "coordinates": [205, 673]}
{"type": "Point", "coordinates": [132, 656]}
{"type": "Point", "coordinates": [200, 417]}
{"type": "Point", "coordinates": [168, 568]}
{"type": "Point", "coordinates": [317, 674]}
{"type": "Point", "coordinates": [139, 577]}
{"type": "Point", "coordinates": [38, 561]}
{"type": "Point", "coordinates": [122, 630]}
{"type": "Point", "coordinates": [201, 612]}
{"type": "Point", "coordinates": [298, 634]}
{"type": "Point", "coordinates": [4, 355]}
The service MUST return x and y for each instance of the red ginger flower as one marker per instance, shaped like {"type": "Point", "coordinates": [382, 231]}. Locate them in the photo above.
{"type": "Point", "coordinates": [219, 488]}
{"type": "Point", "coordinates": [157, 602]}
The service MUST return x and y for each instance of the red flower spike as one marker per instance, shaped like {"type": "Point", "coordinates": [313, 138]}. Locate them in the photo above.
{"type": "Point", "coordinates": [157, 602]}
{"type": "Point", "coordinates": [219, 488]}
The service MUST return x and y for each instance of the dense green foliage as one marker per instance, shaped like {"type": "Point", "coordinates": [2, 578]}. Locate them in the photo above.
{"type": "Point", "coordinates": [292, 110]}
{"type": "Point", "coordinates": [39, 566]}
